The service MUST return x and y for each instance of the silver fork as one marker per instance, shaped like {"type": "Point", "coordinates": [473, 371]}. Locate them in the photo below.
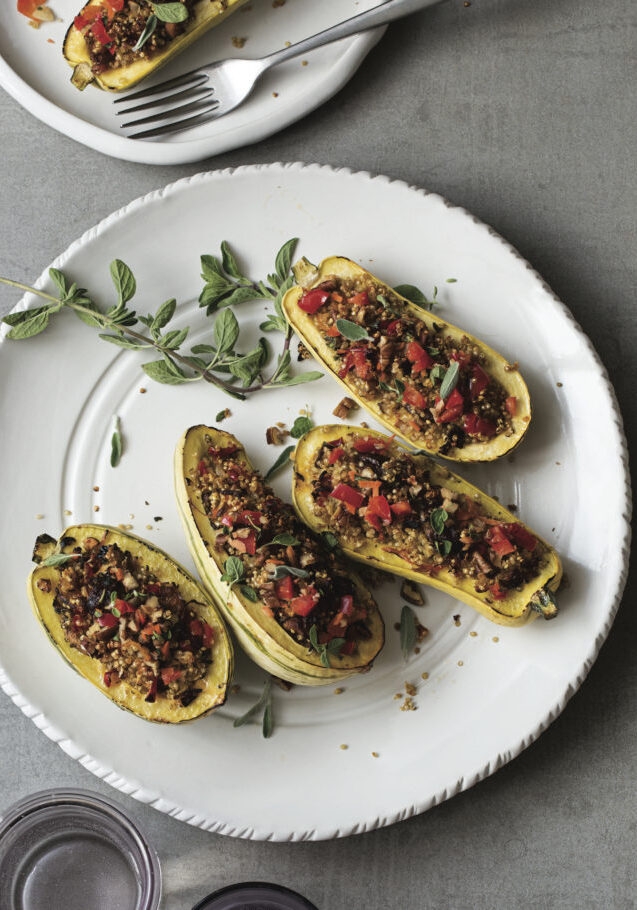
{"type": "Point", "coordinates": [212, 91]}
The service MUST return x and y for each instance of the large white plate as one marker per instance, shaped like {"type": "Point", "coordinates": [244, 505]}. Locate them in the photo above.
{"type": "Point", "coordinates": [34, 72]}
{"type": "Point", "coordinates": [488, 695]}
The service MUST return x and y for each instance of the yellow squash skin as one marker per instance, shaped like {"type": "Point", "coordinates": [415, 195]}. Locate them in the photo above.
{"type": "Point", "coordinates": [208, 13]}
{"type": "Point", "coordinates": [261, 636]}
{"type": "Point", "coordinates": [309, 276]}
{"type": "Point", "coordinates": [516, 610]}
{"type": "Point", "coordinates": [163, 710]}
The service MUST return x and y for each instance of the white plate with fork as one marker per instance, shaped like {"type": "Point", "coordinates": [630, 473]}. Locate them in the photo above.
{"type": "Point", "coordinates": [34, 72]}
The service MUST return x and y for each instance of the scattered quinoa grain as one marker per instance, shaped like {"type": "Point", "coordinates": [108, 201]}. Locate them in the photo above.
{"type": "Point", "coordinates": [303, 62]}
{"type": "Point", "coordinates": [410, 689]}
{"type": "Point", "coordinates": [39, 516]}
{"type": "Point", "coordinates": [560, 384]}
{"type": "Point", "coordinates": [238, 42]}
{"type": "Point", "coordinates": [344, 746]}
{"type": "Point", "coordinates": [375, 754]}
{"type": "Point", "coordinates": [495, 638]}
{"type": "Point", "coordinates": [408, 705]}
{"type": "Point", "coordinates": [149, 527]}
{"type": "Point", "coordinates": [473, 633]}
{"type": "Point", "coordinates": [461, 663]}
{"type": "Point", "coordinates": [96, 489]}
{"type": "Point", "coordinates": [96, 508]}
{"type": "Point", "coordinates": [456, 619]}
{"type": "Point", "coordinates": [338, 691]}
{"type": "Point", "coordinates": [275, 94]}
{"type": "Point", "coordinates": [68, 512]}
{"type": "Point", "coordinates": [398, 695]}
{"type": "Point", "coordinates": [142, 391]}
{"type": "Point", "coordinates": [424, 676]}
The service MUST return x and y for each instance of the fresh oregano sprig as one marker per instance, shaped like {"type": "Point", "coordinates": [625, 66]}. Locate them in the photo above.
{"type": "Point", "coordinates": [236, 372]}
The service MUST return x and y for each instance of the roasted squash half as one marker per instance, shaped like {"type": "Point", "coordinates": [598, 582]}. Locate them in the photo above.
{"type": "Point", "coordinates": [41, 589]}
{"type": "Point", "coordinates": [206, 15]}
{"type": "Point", "coordinates": [255, 624]}
{"type": "Point", "coordinates": [399, 405]}
{"type": "Point", "coordinates": [364, 537]}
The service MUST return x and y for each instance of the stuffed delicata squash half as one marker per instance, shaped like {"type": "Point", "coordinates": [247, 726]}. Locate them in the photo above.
{"type": "Point", "coordinates": [131, 621]}
{"type": "Point", "coordinates": [295, 608]}
{"type": "Point", "coordinates": [425, 380]}
{"type": "Point", "coordinates": [404, 513]}
{"type": "Point", "coordinates": [116, 43]}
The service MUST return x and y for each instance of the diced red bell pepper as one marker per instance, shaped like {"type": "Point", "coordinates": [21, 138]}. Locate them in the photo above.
{"type": "Point", "coordinates": [223, 451]}
{"type": "Point", "coordinates": [478, 382]}
{"type": "Point", "coordinates": [417, 356]}
{"type": "Point", "coordinates": [497, 593]}
{"type": "Point", "coordinates": [400, 509]}
{"type": "Point", "coordinates": [392, 327]}
{"type": "Point", "coordinates": [335, 454]}
{"type": "Point", "coordinates": [378, 505]}
{"type": "Point", "coordinates": [153, 588]}
{"type": "Point", "coordinates": [370, 444]}
{"type": "Point", "coordinates": [285, 588]}
{"type": "Point", "coordinates": [374, 521]}
{"type": "Point", "coordinates": [499, 542]}
{"type": "Point", "coordinates": [196, 628]}
{"type": "Point", "coordinates": [170, 674]}
{"type": "Point", "coordinates": [249, 517]}
{"type": "Point", "coordinates": [246, 543]}
{"type": "Point", "coordinates": [454, 406]}
{"type": "Point", "coordinates": [361, 299]}
{"type": "Point", "coordinates": [347, 604]}
{"type": "Point", "coordinates": [227, 521]}
{"type": "Point", "coordinates": [108, 620]}
{"type": "Point", "coordinates": [124, 607]}
{"type": "Point", "coordinates": [332, 332]}
{"type": "Point", "coordinates": [356, 359]}
{"type": "Point", "coordinates": [114, 7]}
{"type": "Point", "coordinates": [208, 635]}
{"type": "Point", "coordinates": [413, 397]}
{"type": "Point", "coordinates": [348, 495]}
{"type": "Point", "coordinates": [460, 357]}
{"type": "Point", "coordinates": [521, 536]}
{"type": "Point", "coordinates": [511, 405]}
{"type": "Point", "coordinates": [313, 300]}
{"type": "Point", "coordinates": [202, 467]}
{"type": "Point", "coordinates": [99, 32]}
{"type": "Point", "coordinates": [88, 14]}
{"type": "Point", "coordinates": [348, 648]}
{"type": "Point", "coordinates": [303, 605]}
{"type": "Point", "coordinates": [478, 426]}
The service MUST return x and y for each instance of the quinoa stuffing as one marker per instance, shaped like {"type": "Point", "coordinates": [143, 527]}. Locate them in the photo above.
{"type": "Point", "coordinates": [113, 28]}
{"type": "Point", "coordinates": [399, 362]}
{"type": "Point", "coordinates": [373, 490]}
{"type": "Point", "coordinates": [114, 609]}
{"type": "Point", "coordinates": [300, 583]}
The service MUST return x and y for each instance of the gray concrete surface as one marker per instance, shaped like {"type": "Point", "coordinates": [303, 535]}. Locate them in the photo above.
{"type": "Point", "coordinates": [523, 111]}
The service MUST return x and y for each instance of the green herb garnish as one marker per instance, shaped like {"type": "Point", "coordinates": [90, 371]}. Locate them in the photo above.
{"type": "Point", "coordinates": [282, 571]}
{"type": "Point", "coordinates": [283, 458]}
{"type": "Point", "coordinates": [416, 296]}
{"type": "Point", "coordinates": [351, 330]}
{"type": "Point", "coordinates": [116, 444]}
{"type": "Point", "coordinates": [149, 28]}
{"type": "Point", "coordinates": [407, 631]}
{"type": "Point", "coordinates": [249, 593]}
{"type": "Point", "coordinates": [58, 559]}
{"type": "Point", "coordinates": [282, 540]}
{"type": "Point", "coordinates": [327, 649]}
{"type": "Point", "coordinates": [450, 381]}
{"type": "Point", "coordinates": [301, 426]}
{"type": "Point", "coordinates": [233, 570]}
{"type": "Point", "coordinates": [171, 12]}
{"type": "Point", "coordinates": [263, 704]}
{"type": "Point", "coordinates": [438, 518]}
{"type": "Point", "coordinates": [330, 540]}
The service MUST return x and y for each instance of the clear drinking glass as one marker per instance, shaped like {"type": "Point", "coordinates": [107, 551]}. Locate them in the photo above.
{"type": "Point", "coordinates": [76, 850]}
{"type": "Point", "coordinates": [255, 896]}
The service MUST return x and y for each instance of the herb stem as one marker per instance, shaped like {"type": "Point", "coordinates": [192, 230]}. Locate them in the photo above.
{"type": "Point", "coordinates": [28, 289]}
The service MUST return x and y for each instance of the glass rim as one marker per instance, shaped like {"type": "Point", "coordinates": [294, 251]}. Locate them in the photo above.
{"type": "Point", "coordinates": [145, 858]}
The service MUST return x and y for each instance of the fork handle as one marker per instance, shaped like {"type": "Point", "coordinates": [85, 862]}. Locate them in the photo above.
{"type": "Point", "coordinates": [379, 15]}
